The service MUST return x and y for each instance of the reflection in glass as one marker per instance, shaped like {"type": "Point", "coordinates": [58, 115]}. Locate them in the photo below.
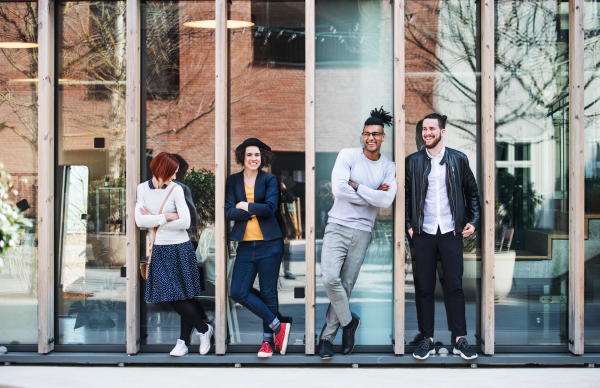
{"type": "Point", "coordinates": [442, 62]}
{"type": "Point", "coordinates": [592, 172]}
{"type": "Point", "coordinates": [267, 102]}
{"type": "Point", "coordinates": [90, 176]}
{"type": "Point", "coordinates": [178, 95]}
{"type": "Point", "coordinates": [18, 137]}
{"type": "Point", "coordinates": [531, 112]}
{"type": "Point", "coordinates": [354, 74]}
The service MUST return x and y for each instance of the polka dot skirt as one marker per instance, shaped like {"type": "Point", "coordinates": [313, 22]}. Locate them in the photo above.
{"type": "Point", "coordinates": [173, 273]}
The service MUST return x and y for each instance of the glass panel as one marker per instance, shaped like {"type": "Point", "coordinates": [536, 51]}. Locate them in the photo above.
{"type": "Point", "coordinates": [267, 102]}
{"type": "Point", "coordinates": [532, 197]}
{"type": "Point", "coordinates": [177, 117]}
{"type": "Point", "coordinates": [90, 176]}
{"type": "Point", "coordinates": [442, 76]}
{"type": "Point", "coordinates": [592, 171]}
{"type": "Point", "coordinates": [354, 74]}
{"type": "Point", "coordinates": [18, 136]}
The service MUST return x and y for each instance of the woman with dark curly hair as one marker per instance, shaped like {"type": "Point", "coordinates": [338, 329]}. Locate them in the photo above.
{"type": "Point", "coordinates": [251, 200]}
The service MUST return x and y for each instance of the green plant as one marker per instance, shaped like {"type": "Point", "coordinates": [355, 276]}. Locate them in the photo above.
{"type": "Point", "coordinates": [517, 202]}
{"type": "Point", "coordinates": [12, 222]}
{"type": "Point", "coordinates": [202, 186]}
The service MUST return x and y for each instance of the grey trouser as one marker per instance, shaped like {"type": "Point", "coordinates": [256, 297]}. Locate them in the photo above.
{"type": "Point", "coordinates": [342, 256]}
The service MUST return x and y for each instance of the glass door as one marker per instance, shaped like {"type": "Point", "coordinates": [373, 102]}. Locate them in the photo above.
{"type": "Point", "coordinates": [354, 75]}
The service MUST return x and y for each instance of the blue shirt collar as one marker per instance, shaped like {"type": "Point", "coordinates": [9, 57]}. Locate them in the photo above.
{"type": "Point", "coordinates": [152, 186]}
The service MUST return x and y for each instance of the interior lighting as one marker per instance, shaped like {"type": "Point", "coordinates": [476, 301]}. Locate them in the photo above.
{"type": "Point", "coordinates": [212, 24]}
{"type": "Point", "coordinates": [17, 45]}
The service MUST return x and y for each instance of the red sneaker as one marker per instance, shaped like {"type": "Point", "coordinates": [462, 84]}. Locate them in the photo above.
{"type": "Point", "coordinates": [265, 350]}
{"type": "Point", "coordinates": [281, 339]}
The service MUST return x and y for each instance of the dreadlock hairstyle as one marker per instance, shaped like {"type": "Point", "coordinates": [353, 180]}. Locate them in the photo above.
{"type": "Point", "coordinates": [440, 118]}
{"type": "Point", "coordinates": [379, 117]}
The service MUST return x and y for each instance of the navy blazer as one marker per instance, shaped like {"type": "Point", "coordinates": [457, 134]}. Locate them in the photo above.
{"type": "Point", "coordinates": [266, 201]}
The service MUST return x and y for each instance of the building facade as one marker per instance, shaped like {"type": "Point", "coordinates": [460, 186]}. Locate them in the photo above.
{"type": "Point", "coordinates": [91, 91]}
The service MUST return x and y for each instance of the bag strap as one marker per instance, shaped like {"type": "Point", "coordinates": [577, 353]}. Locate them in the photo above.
{"type": "Point", "coordinates": [156, 227]}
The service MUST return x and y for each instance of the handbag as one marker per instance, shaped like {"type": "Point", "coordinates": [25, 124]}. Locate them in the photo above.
{"type": "Point", "coordinates": [144, 268]}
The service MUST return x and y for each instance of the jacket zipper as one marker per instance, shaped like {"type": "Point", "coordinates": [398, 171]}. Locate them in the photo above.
{"type": "Point", "coordinates": [452, 208]}
{"type": "Point", "coordinates": [421, 207]}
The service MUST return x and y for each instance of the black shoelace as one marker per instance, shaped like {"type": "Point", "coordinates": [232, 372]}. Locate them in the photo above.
{"type": "Point", "coordinates": [463, 345]}
{"type": "Point", "coordinates": [424, 344]}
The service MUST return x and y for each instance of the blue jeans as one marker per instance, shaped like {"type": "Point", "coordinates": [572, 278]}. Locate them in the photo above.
{"type": "Point", "coordinates": [262, 258]}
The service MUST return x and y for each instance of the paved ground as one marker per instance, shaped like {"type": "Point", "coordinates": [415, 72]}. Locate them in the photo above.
{"type": "Point", "coordinates": [133, 377]}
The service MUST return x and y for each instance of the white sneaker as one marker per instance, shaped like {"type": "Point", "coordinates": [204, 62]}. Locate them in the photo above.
{"type": "Point", "coordinates": [205, 340]}
{"type": "Point", "coordinates": [180, 349]}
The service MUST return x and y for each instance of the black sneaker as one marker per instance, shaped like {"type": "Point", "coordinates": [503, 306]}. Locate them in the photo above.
{"type": "Point", "coordinates": [424, 350]}
{"type": "Point", "coordinates": [325, 351]}
{"type": "Point", "coordinates": [348, 335]}
{"type": "Point", "coordinates": [462, 348]}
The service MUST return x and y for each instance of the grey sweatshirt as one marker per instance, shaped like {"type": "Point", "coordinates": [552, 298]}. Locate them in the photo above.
{"type": "Point", "coordinates": [358, 209]}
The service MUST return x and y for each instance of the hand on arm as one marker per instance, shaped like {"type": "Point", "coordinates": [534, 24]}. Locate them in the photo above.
{"type": "Point", "coordinates": [232, 213]}
{"type": "Point", "coordinates": [386, 192]}
{"type": "Point", "coordinates": [340, 180]}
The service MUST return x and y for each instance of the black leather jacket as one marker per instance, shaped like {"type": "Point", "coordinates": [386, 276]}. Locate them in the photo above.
{"type": "Point", "coordinates": [460, 184]}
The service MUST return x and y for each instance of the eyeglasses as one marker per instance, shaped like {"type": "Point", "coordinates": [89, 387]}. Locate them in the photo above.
{"type": "Point", "coordinates": [376, 135]}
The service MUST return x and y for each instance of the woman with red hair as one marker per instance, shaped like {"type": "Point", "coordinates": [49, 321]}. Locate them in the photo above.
{"type": "Point", "coordinates": [172, 271]}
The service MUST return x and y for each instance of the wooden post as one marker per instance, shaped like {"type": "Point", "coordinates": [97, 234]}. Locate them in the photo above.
{"type": "Point", "coordinates": [488, 130]}
{"type": "Point", "coordinates": [133, 155]}
{"type": "Point", "coordinates": [221, 151]}
{"type": "Point", "coordinates": [577, 181]}
{"type": "Point", "coordinates": [46, 84]}
{"type": "Point", "coordinates": [310, 177]}
{"type": "Point", "coordinates": [399, 154]}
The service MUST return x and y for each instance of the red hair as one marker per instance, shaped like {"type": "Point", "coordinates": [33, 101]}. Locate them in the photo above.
{"type": "Point", "coordinates": [164, 165]}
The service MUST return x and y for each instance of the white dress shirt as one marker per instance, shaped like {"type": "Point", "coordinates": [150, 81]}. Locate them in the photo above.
{"type": "Point", "coordinates": [437, 206]}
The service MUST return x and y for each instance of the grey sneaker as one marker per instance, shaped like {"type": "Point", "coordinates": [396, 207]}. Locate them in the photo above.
{"type": "Point", "coordinates": [424, 350]}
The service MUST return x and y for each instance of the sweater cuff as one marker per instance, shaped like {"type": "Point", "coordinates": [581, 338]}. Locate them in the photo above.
{"type": "Point", "coordinates": [162, 219]}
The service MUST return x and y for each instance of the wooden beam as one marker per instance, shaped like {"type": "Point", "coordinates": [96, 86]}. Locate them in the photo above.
{"type": "Point", "coordinates": [221, 151]}
{"type": "Point", "coordinates": [133, 104]}
{"type": "Point", "coordinates": [399, 154]}
{"type": "Point", "coordinates": [576, 175]}
{"type": "Point", "coordinates": [487, 228]}
{"type": "Point", "coordinates": [46, 84]}
{"type": "Point", "coordinates": [309, 328]}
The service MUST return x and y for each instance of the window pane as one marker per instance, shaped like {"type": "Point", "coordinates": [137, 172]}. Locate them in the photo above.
{"type": "Point", "coordinates": [267, 102]}
{"type": "Point", "coordinates": [18, 137]}
{"type": "Point", "coordinates": [523, 151]}
{"type": "Point", "coordinates": [90, 176]}
{"type": "Point", "coordinates": [442, 76]}
{"type": "Point", "coordinates": [354, 74]}
{"type": "Point", "coordinates": [178, 94]}
{"type": "Point", "coordinates": [532, 258]}
{"type": "Point", "coordinates": [592, 172]}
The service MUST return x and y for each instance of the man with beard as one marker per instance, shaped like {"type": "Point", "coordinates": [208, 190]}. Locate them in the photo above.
{"type": "Point", "coordinates": [362, 181]}
{"type": "Point", "coordinates": [442, 207]}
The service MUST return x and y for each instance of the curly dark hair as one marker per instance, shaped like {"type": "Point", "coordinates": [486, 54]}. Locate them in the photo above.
{"type": "Point", "coordinates": [266, 157]}
{"type": "Point", "coordinates": [379, 117]}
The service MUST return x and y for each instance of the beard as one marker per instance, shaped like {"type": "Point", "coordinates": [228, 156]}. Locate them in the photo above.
{"type": "Point", "coordinates": [436, 141]}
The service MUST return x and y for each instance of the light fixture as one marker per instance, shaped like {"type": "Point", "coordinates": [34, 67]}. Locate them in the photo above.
{"type": "Point", "coordinates": [212, 24]}
{"type": "Point", "coordinates": [17, 45]}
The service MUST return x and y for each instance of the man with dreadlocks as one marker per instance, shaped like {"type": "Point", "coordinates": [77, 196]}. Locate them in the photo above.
{"type": "Point", "coordinates": [362, 181]}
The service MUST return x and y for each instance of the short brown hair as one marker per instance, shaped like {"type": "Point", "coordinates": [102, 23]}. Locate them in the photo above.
{"type": "Point", "coordinates": [164, 165]}
{"type": "Point", "coordinates": [266, 157]}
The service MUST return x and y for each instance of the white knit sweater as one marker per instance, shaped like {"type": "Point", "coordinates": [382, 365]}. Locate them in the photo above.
{"type": "Point", "coordinates": [173, 232]}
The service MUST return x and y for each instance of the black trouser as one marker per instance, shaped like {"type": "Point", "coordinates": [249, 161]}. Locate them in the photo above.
{"type": "Point", "coordinates": [449, 247]}
{"type": "Point", "coordinates": [192, 316]}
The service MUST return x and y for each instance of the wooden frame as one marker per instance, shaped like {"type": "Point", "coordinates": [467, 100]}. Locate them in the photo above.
{"type": "Point", "coordinates": [310, 178]}
{"type": "Point", "coordinates": [221, 150]}
{"type": "Point", "coordinates": [488, 131]}
{"type": "Point", "coordinates": [576, 175]}
{"type": "Point", "coordinates": [133, 155]}
{"type": "Point", "coordinates": [46, 133]}
{"type": "Point", "coordinates": [399, 154]}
